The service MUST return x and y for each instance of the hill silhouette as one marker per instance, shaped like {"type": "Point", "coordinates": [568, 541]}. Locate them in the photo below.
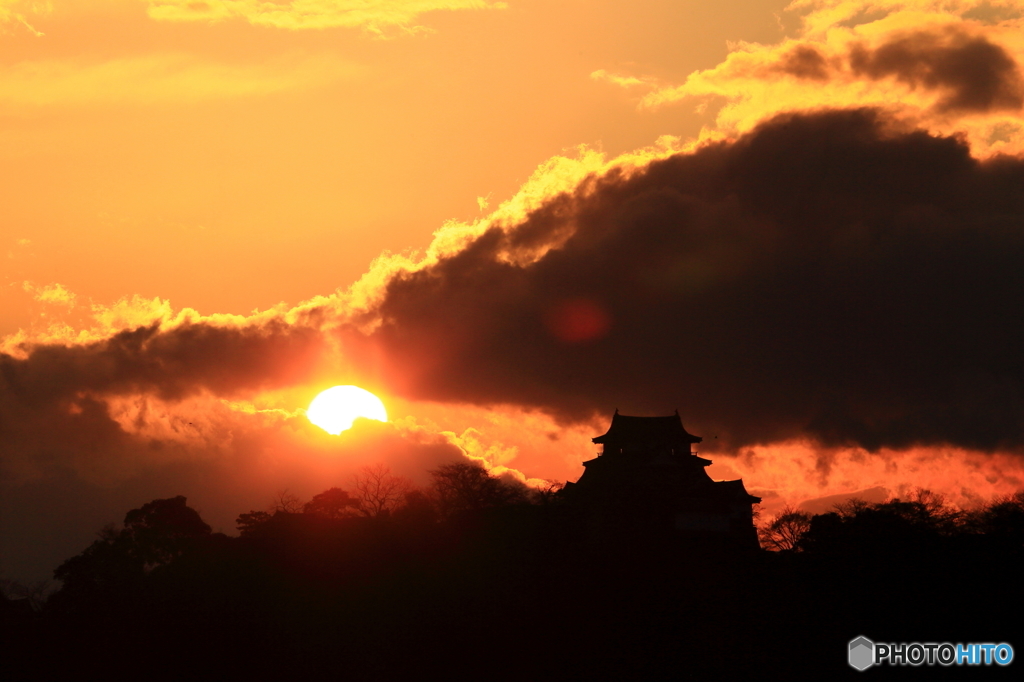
{"type": "Point", "coordinates": [476, 577]}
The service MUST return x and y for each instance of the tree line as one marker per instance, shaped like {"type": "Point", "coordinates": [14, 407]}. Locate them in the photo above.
{"type": "Point", "coordinates": [922, 515]}
{"type": "Point", "coordinates": [474, 576]}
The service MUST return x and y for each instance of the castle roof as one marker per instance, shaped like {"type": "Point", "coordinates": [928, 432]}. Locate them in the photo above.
{"type": "Point", "coordinates": [737, 490]}
{"type": "Point", "coordinates": [647, 430]}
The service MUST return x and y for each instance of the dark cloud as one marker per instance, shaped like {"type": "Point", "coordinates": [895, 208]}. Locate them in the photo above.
{"type": "Point", "coordinates": [978, 75]}
{"type": "Point", "coordinates": [825, 276]}
{"type": "Point", "coordinates": [804, 61]}
{"type": "Point", "coordinates": [172, 363]}
{"type": "Point", "coordinates": [52, 403]}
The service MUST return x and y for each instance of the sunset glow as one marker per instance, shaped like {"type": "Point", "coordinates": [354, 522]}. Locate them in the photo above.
{"type": "Point", "coordinates": [335, 409]}
{"type": "Point", "coordinates": [798, 224]}
{"type": "Point", "coordinates": [343, 338]}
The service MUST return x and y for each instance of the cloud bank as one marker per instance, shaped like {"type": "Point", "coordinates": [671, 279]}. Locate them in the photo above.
{"type": "Point", "coordinates": [832, 276]}
{"type": "Point", "coordinates": [947, 67]}
{"type": "Point", "coordinates": [828, 275]}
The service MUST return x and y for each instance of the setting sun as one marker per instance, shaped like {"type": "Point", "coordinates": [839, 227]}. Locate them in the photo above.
{"type": "Point", "coordinates": [335, 409]}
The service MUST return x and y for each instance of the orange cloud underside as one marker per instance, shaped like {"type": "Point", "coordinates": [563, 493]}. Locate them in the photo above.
{"type": "Point", "coordinates": [268, 448]}
{"type": "Point", "coordinates": [797, 474]}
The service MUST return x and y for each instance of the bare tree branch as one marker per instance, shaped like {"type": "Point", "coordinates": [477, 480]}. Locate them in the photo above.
{"type": "Point", "coordinates": [378, 491]}
{"type": "Point", "coordinates": [286, 502]}
{"type": "Point", "coordinates": [785, 530]}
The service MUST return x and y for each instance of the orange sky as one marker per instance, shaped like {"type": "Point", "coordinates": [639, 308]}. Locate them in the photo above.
{"type": "Point", "coordinates": [225, 168]}
{"type": "Point", "coordinates": [228, 166]}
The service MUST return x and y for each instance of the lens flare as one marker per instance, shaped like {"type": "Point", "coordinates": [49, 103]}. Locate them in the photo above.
{"type": "Point", "coordinates": [335, 409]}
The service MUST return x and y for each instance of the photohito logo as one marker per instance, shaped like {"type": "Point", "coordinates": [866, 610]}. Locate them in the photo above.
{"type": "Point", "coordinates": [863, 653]}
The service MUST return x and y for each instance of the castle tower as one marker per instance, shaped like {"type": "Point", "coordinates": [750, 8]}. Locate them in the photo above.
{"type": "Point", "coordinates": [647, 478]}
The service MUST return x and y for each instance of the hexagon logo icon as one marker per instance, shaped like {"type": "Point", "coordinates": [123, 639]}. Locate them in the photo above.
{"type": "Point", "coordinates": [862, 653]}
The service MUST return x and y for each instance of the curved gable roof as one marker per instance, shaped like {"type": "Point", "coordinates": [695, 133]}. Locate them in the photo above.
{"type": "Point", "coordinates": [647, 430]}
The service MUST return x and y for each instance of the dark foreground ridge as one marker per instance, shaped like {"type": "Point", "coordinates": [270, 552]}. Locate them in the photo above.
{"type": "Point", "coordinates": [478, 578]}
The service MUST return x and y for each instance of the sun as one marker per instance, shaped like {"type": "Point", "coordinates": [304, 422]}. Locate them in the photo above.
{"type": "Point", "coordinates": [335, 409]}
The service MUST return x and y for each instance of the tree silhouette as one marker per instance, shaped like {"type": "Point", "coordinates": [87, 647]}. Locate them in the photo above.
{"type": "Point", "coordinates": [378, 491]}
{"type": "Point", "coordinates": [160, 530]}
{"type": "Point", "coordinates": [896, 525]}
{"type": "Point", "coordinates": [466, 488]}
{"type": "Point", "coordinates": [34, 594]}
{"type": "Point", "coordinates": [1002, 520]}
{"type": "Point", "coordinates": [115, 564]}
{"type": "Point", "coordinates": [285, 502]}
{"type": "Point", "coordinates": [937, 511]}
{"type": "Point", "coordinates": [250, 522]}
{"type": "Point", "coordinates": [418, 508]}
{"type": "Point", "coordinates": [850, 508]}
{"type": "Point", "coordinates": [785, 530]}
{"type": "Point", "coordinates": [167, 589]}
{"type": "Point", "coordinates": [334, 503]}
{"type": "Point", "coordinates": [548, 494]}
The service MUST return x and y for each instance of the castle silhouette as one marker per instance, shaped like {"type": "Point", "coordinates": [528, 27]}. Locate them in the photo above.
{"type": "Point", "coordinates": [648, 480]}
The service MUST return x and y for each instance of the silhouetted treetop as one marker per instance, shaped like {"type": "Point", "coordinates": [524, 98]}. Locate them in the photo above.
{"type": "Point", "coordinates": [378, 491]}
{"type": "Point", "coordinates": [249, 522]}
{"type": "Point", "coordinates": [901, 525]}
{"type": "Point", "coordinates": [466, 488]}
{"type": "Point", "coordinates": [785, 530]}
{"type": "Point", "coordinates": [160, 529]}
{"type": "Point", "coordinates": [153, 535]}
{"type": "Point", "coordinates": [334, 503]}
{"type": "Point", "coordinates": [1003, 519]}
{"type": "Point", "coordinates": [170, 518]}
